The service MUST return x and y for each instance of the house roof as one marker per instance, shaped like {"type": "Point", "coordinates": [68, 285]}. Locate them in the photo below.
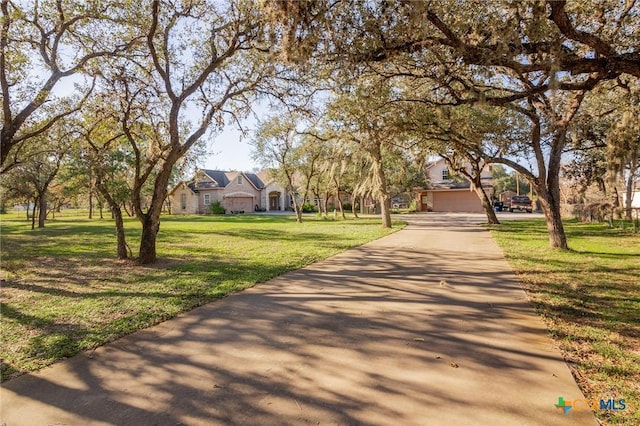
{"type": "Point", "coordinates": [255, 180]}
{"type": "Point", "coordinates": [181, 183]}
{"type": "Point", "coordinates": [219, 176]}
{"type": "Point", "coordinates": [219, 179]}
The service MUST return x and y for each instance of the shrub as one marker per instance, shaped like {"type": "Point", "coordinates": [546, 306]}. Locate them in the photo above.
{"type": "Point", "coordinates": [216, 208]}
{"type": "Point", "coordinates": [347, 207]}
{"type": "Point", "coordinates": [308, 207]}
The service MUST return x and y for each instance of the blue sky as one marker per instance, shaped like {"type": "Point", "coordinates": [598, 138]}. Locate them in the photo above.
{"type": "Point", "coordinates": [230, 151]}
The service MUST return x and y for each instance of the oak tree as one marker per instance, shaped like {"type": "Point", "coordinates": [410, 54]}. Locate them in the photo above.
{"type": "Point", "coordinates": [43, 46]}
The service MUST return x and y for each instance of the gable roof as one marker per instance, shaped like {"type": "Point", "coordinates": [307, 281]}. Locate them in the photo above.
{"type": "Point", "coordinates": [182, 184]}
{"type": "Point", "coordinates": [218, 176]}
{"type": "Point", "coordinates": [255, 180]}
{"type": "Point", "coordinates": [221, 177]}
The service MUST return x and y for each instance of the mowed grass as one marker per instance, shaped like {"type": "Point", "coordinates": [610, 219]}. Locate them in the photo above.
{"type": "Point", "coordinates": [590, 299]}
{"type": "Point", "coordinates": [63, 291]}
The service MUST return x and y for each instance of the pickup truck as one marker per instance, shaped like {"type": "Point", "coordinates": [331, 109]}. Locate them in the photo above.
{"type": "Point", "coordinates": [520, 202]}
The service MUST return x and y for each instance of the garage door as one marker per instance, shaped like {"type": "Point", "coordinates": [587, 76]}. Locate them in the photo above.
{"type": "Point", "coordinates": [458, 201]}
{"type": "Point", "coordinates": [236, 204]}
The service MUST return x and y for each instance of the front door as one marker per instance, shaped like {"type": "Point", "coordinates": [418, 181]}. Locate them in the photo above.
{"type": "Point", "coordinates": [274, 203]}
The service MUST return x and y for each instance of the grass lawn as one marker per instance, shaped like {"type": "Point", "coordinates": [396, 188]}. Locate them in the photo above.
{"type": "Point", "coordinates": [590, 299]}
{"type": "Point", "coordinates": [63, 291]}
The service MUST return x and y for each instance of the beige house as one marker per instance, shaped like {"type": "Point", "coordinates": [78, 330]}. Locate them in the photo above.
{"type": "Point", "coordinates": [447, 194]}
{"type": "Point", "coordinates": [237, 192]}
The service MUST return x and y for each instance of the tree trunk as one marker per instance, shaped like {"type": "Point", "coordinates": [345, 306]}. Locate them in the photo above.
{"type": "Point", "coordinates": [385, 211]}
{"type": "Point", "coordinates": [42, 209]}
{"type": "Point", "coordinates": [325, 204]}
{"type": "Point", "coordinates": [486, 205]}
{"type": "Point", "coordinates": [116, 212]}
{"type": "Point", "coordinates": [90, 195]}
{"type": "Point", "coordinates": [557, 237]}
{"type": "Point", "coordinates": [629, 192]}
{"type": "Point", "coordinates": [551, 209]}
{"type": "Point", "coordinates": [151, 219]}
{"type": "Point", "coordinates": [120, 235]}
{"type": "Point", "coordinates": [338, 199]}
{"type": "Point", "coordinates": [36, 201]}
{"type": "Point", "coordinates": [340, 205]}
{"type": "Point", "coordinates": [150, 228]}
{"type": "Point", "coordinates": [383, 194]}
{"type": "Point", "coordinates": [297, 208]}
{"type": "Point", "coordinates": [474, 176]}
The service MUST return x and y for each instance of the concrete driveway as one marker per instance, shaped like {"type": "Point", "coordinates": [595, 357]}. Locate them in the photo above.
{"type": "Point", "coordinates": [426, 326]}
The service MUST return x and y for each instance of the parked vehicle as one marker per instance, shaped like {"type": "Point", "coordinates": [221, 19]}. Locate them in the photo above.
{"type": "Point", "coordinates": [520, 202]}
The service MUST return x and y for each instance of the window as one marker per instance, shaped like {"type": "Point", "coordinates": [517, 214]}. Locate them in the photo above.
{"type": "Point", "coordinates": [207, 199]}
{"type": "Point", "coordinates": [239, 179]}
{"type": "Point", "coordinates": [445, 174]}
{"type": "Point", "coordinates": [183, 201]}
